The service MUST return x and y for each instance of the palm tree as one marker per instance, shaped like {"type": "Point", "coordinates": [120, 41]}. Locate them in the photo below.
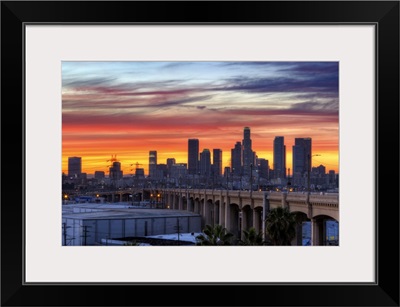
{"type": "Point", "coordinates": [251, 237]}
{"type": "Point", "coordinates": [216, 235]}
{"type": "Point", "coordinates": [281, 226]}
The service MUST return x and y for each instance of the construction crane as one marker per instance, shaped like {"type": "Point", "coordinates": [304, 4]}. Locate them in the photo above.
{"type": "Point", "coordinates": [137, 165]}
{"type": "Point", "coordinates": [113, 158]}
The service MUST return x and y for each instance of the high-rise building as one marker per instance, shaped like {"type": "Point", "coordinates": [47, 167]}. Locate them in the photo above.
{"type": "Point", "coordinates": [161, 171]}
{"type": "Point", "coordinates": [263, 168]}
{"type": "Point", "coordinates": [217, 162]}
{"type": "Point", "coordinates": [248, 155]}
{"type": "Point", "coordinates": [302, 160]}
{"type": "Point", "coordinates": [115, 171]}
{"type": "Point", "coordinates": [193, 156]}
{"type": "Point", "coordinates": [279, 157]}
{"type": "Point", "coordinates": [179, 171]}
{"type": "Point", "coordinates": [205, 163]}
{"type": "Point", "coordinates": [152, 163]}
{"type": "Point", "coordinates": [74, 167]}
{"type": "Point", "coordinates": [331, 177]}
{"type": "Point", "coordinates": [170, 162]}
{"type": "Point", "coordinates": [236, 159]}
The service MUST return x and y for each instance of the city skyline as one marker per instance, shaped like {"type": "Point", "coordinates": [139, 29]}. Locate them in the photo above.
{"type": "Point", "coordinates": [130, 108]}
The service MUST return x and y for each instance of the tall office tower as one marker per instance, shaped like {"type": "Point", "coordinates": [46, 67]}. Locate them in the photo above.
{"type": "Point", "coordinates": [205, 163]}
{"type": "Point", "coordinates": [74, 167]}
{"type": "Point", "coordinates": [301, 160]}
{"type": "Point", "coordinates": [332, 177]}
{"type": "Point", "coordinates": [161, 171]}
{"type": "Point", "coordinates": [193, 156]}
{"type": "Point", "coordinates": [115, 171]}
{"type": "Point", "coordinates": [263, 168]}
{"type": "Point", "coordinates": [227, 172]}
{"type": "Point", "coordinates": [248, 155]}
{"type": "Point", "coordinates": [279, 157]}
{"type": "Point", "coordinates": [217, 162]}
{"type": "Point", "coordinates": [152, 163]}
{"type": "Point", "coordinates": [170, 162]}
{"type": "Point", "coordinates": [236, 159]}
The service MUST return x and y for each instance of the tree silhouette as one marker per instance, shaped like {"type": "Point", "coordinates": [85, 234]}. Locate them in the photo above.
{"type": "Point", "coordinates": [216, 235]}
{"type": "Point", "coordinates": [281, 226]}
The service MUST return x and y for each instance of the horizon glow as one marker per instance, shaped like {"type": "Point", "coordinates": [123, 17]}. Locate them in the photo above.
{"type": "Point", "coordinates": [130, 108]}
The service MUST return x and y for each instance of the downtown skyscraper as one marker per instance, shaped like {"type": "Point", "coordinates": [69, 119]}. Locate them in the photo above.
{"type": "Point", "coordinates": [236, 159]}
{"type": "Point", "coordinates": [74, 167]}
{"type": "Point", "coordinates": [279, 157]}
{"type": "Point", "coordinates": [152, 163]}
{"type": "Point", "coordinates": [217, 162]}
{"type": "Point", "coordinates": [205, 163]}
{"type": "Point", "coordinates": [248, 155]}
{"type": "Point", "coordinates": [193, 156]}
{"type": "Point", "coordinates": [302, 153]}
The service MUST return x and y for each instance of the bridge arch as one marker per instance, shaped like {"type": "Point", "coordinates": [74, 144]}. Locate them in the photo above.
{"type": "Point", "coordinates": [258, 219]}
{"type": "Point", "coordinates": [191, 204]}
{"type": "Point", "coordinates": [246, 217]}
{"type": "Point", "coordinates": [184, 203]}
{"type": "Point", "coordinates": [197, 205]}
{"type": "Point", "coordinates": [126, 197]}
{"type": "Point", "coordinates": [216, 215]}
{"type": "Point", "coordinates": [208, 212]}
{"type": "Point", "coordinates": [324, 230]}
{"type": "Point", "coordinates": [302, 224]}
{"type": "Point", "coordinates": [234, 225]}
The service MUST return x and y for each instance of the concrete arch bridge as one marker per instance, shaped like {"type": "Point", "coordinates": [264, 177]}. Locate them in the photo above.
{"type": "Point", "coordinates": [239, 210]}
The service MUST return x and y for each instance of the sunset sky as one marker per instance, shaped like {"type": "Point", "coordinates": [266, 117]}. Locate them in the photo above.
{"type": "Point", "coordinates": [129, 108]}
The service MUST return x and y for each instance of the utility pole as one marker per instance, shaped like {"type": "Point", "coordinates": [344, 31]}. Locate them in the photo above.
{"type": "Point", "coordinates": [65, 232]}
{"type": "Point", "coordinates": [85, 231]}
{"type": "Point", "coordinates": [178, 228]}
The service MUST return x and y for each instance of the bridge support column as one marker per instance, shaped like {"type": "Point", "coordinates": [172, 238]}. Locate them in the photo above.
{"type": "Point", "coordinates": [256, 220]}
{"type": "Point", "coordinates": [180, 204]}
{"type": "Point", "coordinates": [317, 231]}
{"type": "Point", "coordinates": [298, 240]}
{"type": "Point", "coordinates": [204, 213]}
{"type": "Point", "coordinates": [265, 210]}
{"type": "Point", "coordinates": [171, 200]}
{"type": "Point", "coordinates": [221, 212]}
{"type": "Point", "coordinates": [285, 204]}
{"type": "Point", "coordinates": [227, 214]}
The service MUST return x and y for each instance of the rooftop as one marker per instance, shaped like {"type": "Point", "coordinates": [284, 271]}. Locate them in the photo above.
{"type": "Point", "coordinates": [87, 211]}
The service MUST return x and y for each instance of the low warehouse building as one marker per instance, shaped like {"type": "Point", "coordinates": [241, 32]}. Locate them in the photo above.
{"type": "Point", "coordinates": [92, 224]}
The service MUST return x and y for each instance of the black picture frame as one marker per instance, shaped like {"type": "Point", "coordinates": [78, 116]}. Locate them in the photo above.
{"type": "Point", "coordinates": [383, 14]}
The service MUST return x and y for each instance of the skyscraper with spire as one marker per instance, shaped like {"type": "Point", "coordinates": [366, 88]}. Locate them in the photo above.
{"type": "Point", "coordinates": [248, 155]}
